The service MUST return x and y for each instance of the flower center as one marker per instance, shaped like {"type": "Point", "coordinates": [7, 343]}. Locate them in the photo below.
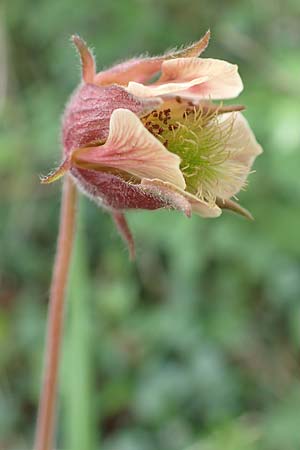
{"type": "Point", "coordinates": [199, 138]}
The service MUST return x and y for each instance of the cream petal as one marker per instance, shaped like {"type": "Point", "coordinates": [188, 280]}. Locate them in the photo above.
{"type": "Point", "coordinates": [198, 206]}
{"type": "Point", "coordinates": [140, 90]}
{"type": "Point", "coordinates": [242, 148]}
{"type": "Point", "coordinates": [142, 69]}
{"type": "Point", "coordinates": [202, 208]}
{"type": "Point", "coordinates": [242, 140]}
{"type": "Point", "coordinates": [132, 148]}
{"type": "Point", "coordinates": [195, 79]}
{"type": "Point", "coordinates": [223, 80]}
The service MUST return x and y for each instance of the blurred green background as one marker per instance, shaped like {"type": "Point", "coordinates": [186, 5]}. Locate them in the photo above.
{"type": "Point", "coordinates": [196, 345]}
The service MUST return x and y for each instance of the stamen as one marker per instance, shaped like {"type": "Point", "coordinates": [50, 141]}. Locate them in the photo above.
{"type": "Point", "coordinates": [200, 138]}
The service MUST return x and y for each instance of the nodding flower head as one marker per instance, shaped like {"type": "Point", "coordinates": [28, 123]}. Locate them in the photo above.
{"type": "Point", "coordinates": [133, 143]}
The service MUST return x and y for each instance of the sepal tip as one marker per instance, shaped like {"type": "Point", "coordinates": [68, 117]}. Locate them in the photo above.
{"type": "Point", "coordinates": [234, 207]}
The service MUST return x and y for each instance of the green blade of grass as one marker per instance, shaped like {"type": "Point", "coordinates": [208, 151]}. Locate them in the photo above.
{"type": "Point", "coordinates": [78, 418]}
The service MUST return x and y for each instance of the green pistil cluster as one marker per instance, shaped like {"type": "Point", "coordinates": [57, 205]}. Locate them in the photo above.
{"type": "Point", "coordinates": [198, 137]}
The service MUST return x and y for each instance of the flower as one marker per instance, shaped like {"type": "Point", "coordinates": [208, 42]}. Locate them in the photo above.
{"type": "Point", "coordinates": [145, 134]}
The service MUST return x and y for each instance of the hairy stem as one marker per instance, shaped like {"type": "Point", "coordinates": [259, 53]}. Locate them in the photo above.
{"type": "Point", "coordinates": [47, 404]}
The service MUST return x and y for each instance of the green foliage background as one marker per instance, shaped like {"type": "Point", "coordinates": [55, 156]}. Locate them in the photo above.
{"type": "Point", "coordinates": [196, 346]}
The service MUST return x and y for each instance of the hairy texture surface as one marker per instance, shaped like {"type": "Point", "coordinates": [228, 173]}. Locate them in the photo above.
{"type": "Point", "coordinates": [114, 193]}
{"type": "Point", "coordinates": [87, 115]}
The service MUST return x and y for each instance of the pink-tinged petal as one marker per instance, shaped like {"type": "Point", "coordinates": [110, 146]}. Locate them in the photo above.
{"type": "Point", "coordinates": [242, 149]}
{"type": "Point", "coordinates": [123, 228]}
{"type": "Point", "coordinates": [142, 69]}
{"type": "Point", "coordinates": [137, 69]}
{"type": "Point", "coordinates": [223, 80]}
{"type": "Point", "coordinates": [195, 79]}
{"type": "Point", "coordinates": [198, 206]}
{"type": "Point", "coordinates": [87, 60]}
{"type": "Point", "coordinates": [131, 148]}
{"type": "Point", "coordinates": [86, 118]}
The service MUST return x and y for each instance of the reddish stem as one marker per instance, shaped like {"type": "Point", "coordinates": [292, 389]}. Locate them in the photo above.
{"type": "Point", "coordinates": [47, 404]}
